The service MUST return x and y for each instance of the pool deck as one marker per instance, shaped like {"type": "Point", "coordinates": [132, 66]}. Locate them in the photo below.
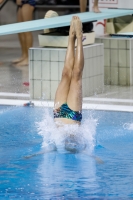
{"type": "Point", "coordinates": [15, 91]}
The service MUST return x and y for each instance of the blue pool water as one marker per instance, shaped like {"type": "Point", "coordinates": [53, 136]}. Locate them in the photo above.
{"type": "Point", "coordinates": [103, 171]}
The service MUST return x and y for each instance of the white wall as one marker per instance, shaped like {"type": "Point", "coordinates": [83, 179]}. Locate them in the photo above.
{"type": "Point", "coordinates": [125, 4]}
{"type": "Point", "coordinates": [113, 4]}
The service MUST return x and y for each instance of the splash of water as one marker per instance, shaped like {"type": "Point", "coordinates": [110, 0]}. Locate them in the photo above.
{"type": "Point", "coordinates": [128, 126]}
{"type": "Point", "coordinates": [55, 138]}
{"type": "Point", "coordinates": [6, 109]}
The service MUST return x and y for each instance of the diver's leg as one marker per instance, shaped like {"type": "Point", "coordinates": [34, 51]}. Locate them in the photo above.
{"type": "Point", "coordinates": [83, 5]}
{"type": "Point", "coordinates": [64, 85]}
{"type": "Point", "coordinates": [95, 7]}
{"type": "Point", "coordinates": [74, 99]}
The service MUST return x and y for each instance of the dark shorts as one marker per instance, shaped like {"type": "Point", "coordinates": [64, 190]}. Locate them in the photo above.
{"type": "Point", "coordinates": [65, 112]}
{"type": "Point", "coordinates": [31, 2]}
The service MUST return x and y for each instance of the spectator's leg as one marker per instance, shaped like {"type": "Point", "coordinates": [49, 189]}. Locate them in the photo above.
{"type": "Point", "coordinates": [95, 7]}
{"type": "Point", "coordinates": [21, 38]}
{"type": "Point", "coordinates": [1, 1]}
{"type": "Point", "coordinates": [83, 5]}
{"type": "Point", "coordinates": [27, 15]}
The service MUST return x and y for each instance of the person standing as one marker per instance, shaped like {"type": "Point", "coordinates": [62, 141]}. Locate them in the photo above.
{"type": "Point", "coordinates": [24, 13]}
{"type": "Point", "coordinates": [0, 3]}
{"type": "Point", "coordinates": [83, 5]}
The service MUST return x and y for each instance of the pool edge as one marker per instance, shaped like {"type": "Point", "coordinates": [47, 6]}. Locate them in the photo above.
{"type": "Point", "coordinates": [90, 106]}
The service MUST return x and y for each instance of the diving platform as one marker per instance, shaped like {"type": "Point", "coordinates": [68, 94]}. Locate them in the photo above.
{"type": "Point", "coordinates": [61, 21]}
{"type": "Point", "coordinates": [46, 65]}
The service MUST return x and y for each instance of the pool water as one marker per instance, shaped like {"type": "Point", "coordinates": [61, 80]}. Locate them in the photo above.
{"type": "Point", "coordinates": [103, 171]}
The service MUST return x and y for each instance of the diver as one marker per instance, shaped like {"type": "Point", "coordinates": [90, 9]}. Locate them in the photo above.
{"type": "Point", "coordinates": [68, 97]}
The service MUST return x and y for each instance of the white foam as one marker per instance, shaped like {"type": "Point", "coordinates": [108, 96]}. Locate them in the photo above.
{"type": "Point", "coordinates": [85, 133]}
{"type": "Point", "coordinates": [128, 126]}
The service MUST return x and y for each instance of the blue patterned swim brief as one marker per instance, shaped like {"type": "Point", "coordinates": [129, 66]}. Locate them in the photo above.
{"type": "Point", "coordinates": [31, 2]}
{"type": "Point", "coordinates": [65, 112]}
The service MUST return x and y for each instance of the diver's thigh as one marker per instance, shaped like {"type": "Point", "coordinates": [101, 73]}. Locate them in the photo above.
{"type": "Point", "coordinates": [74, 99]}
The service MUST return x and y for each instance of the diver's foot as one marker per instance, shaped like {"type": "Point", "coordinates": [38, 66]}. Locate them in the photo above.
{"type": "Point", "coordinates": [78, 27]}
{"type": "Point", "coordinates": [24, 62]}
{"type": "Point", "coordinates": [96, 9]}
{"type": "Point", "coordinates": [72, 30]}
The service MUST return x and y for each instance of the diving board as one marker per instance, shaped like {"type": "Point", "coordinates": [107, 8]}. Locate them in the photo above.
{"type": "Point", "coordinates": [127, 34]}
{"type": "Point", "coordinates": [61, 21]}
